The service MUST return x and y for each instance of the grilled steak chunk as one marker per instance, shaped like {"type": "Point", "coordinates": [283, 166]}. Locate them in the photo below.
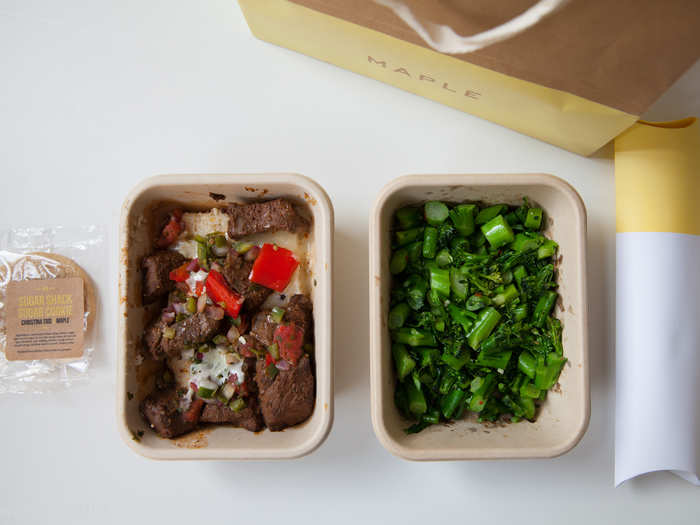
{"type": "Point", "coordinates": [300, 312]}
{"type": "Point", "coordinates": [288, 399]}
{"type": "Point", "coordinates": [270, 216]}
{"type": "Point", "coordinates": [249, 346]}
{"type": "Point", "coordinates": [161, 409]}
{"type": "Point", "coordinates": [152, 337]}
{"type": "Point", "coordinates": [263, 327]}
{"type": "Point", "coordinates": [196, 329]}
{"type": "Point", "coordinates": [249, 417]}
{"type": "Point", "coordinates": [156, 270]}
{"type": "Point", "coordinates": [236, 271]}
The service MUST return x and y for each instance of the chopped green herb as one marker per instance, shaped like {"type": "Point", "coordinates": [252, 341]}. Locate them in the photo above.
{"type": "Point", "coordinates": [277, 314]}
{"type": "Point", "coordinates": [237, 404]}
{"type": "Point", "coordinates": [274, 351]}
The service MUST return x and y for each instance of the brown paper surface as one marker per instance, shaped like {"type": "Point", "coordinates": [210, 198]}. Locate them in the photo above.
{"type": "Point", "coordinates": [44, 319]}
{"type": "Point", "coordinates": [622, 53]}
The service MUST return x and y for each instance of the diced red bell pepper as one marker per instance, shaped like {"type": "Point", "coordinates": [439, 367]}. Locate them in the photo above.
{"type": "Point", "coordinates": [180, 274]}
{"type": "Point", "coordinates": [171, 231]}
{"type": "Point", "coordinates": [273, 267]}
{"type": "Point", "coordinates": [199, 288]}
{"type": "Point", "coordinates": [289, 339]}
{"type": "Point", "coordinates": [268, 359]}
{"type": "Point", "coordinates": [220, 293]}
{"type": "Point", "coordinates": [195, 410]}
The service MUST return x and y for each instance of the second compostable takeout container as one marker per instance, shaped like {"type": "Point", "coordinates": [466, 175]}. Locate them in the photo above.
{"type": "Point", "coordinates": [137, 229]}
{"type": "Point", "coordinates": [563, 418]}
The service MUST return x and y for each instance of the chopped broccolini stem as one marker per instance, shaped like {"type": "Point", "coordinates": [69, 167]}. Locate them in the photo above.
{"type": "Point", "coordinates": [414, 337]}
{"type": "Point", "coordinates": [533, 219]}
{"type": "Point", "coordinates": [416, 399]}
{"type": "Point", "coordinates": [436, 212]}
{"type": "Point", "coordinates": [450, 402]}
{"type": "Point", "coordinates": [398, 316]}
{"type": "Point", "coordinates": [440, 280]}
{"type": "Point", "coordinates": [497, 232]}
{"type": "Point", "coordinates": [526, 242]}
{"type": "Point", "coordinates": [430, 242]}
{"type": "Point", "coordinates": [459, 283]}
{"type": "Point", "coordinates": [399, 261]}
{"type": "Point", "coordinates": [506, 296]}
{"type": "Point", "coordinates": [443, 258]}
{"type": "Point", "coordinates": [543, 307]}
{"type": "Point", "coordinates": [408, 217]}
{"type": "Point", "coordinates": [486, 214]}
{"type": "Point", "coordinates": [547, 249]}
{"type": "Point", "coordinates": [403, 361]}
{"type": "Point", "coordinates": [462, 217]}
{"type": "Point", "coordinates": [408, 236]}
{"type": "Point", "coordinates": [485, 323]}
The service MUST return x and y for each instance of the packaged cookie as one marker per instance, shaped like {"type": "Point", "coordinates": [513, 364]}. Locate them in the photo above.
{"type": "Point", "coordinates": [48, 306]}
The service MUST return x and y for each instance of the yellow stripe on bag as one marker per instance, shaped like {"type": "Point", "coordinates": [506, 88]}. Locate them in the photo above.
{"type": "Point", "coordinates": [657, 177]}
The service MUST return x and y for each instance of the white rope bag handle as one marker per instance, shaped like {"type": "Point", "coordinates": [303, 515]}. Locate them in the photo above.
{"type": "Point", "coordinates": [444, 39]}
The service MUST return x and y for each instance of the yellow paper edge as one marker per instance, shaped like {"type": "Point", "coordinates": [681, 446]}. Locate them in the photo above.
{"type": "Point", "coordinates": [556, 117]}
{"type": "Point", "coordinates": [657, 177]}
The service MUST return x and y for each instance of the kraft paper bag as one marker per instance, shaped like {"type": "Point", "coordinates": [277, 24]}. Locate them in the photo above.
{"type": "Point", "coordinates": [574, 73]}
{"type": "Point", "coordinates": [657, 419]}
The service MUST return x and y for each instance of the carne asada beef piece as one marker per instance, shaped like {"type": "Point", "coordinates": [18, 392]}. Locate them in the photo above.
{"type": "Point", "coordinates": [249, 417]}
{"type": "Point", "coordinates": [263, 327]}
{"type": "Point", "coordinates": [236, 271]}
{"type": "Point", "coordinates": [270, 216]}
{"type": "Point", "coordinates": [299, 312]}
{"type": "Point", "coordinates": [288, 399]}
{"type": "Point", "coordinates": [156, 273]}
{"type": "Point", "coordinates": [249, 346]}
{"type": "Point", "coordinates": [161, 408]}
{"type": "Point", "coordinates": [248, 369]}
{"type": "Point", "coordinates": [152, 337]}
{"type": "Point", "coordinates": [196, 329]}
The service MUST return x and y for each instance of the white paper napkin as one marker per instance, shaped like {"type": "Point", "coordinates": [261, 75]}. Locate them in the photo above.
{"type": "Point", "coordinates": [658, 358]}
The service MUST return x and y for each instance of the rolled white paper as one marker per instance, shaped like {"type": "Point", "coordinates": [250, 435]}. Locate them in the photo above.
{"type": "Point", "coordinates": [657, 418]}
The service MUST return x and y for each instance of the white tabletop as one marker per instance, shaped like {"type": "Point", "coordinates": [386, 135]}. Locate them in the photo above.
{"type": "Point", "coordinates": [95, 96]}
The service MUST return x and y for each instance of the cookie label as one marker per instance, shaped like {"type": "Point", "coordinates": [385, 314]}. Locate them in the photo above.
{"type": "Point", "coordinates": [45, 319]}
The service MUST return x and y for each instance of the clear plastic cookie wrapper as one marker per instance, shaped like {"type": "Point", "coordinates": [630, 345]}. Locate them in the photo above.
{"type": "Point", "coordinates": [48, 306]}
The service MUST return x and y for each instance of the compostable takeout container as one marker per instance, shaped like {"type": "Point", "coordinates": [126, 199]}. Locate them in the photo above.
{"type": "Point", "coordinates": [563, 418]}
{"type": "Point", "coordinates": [137, 229]}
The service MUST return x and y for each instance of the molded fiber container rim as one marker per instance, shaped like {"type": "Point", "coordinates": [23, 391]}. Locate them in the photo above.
{"type": "Point", "coordinates": [571, 404]}
{"type": "Point", "coordinates": [293, 442]}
